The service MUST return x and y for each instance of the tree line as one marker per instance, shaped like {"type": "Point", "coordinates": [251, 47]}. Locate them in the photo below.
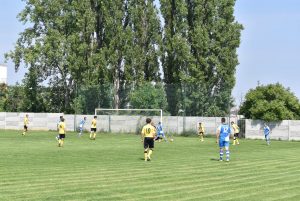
{"type": "Point", "coordinates": [179, 55]}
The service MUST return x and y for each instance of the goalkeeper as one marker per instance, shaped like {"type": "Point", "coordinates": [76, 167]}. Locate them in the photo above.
{"type": "Point", "coordinates": [160, 133]}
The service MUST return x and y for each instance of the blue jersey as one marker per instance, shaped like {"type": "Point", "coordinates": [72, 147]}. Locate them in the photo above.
{"type": "Point", "coordinates": [159, 130]}
{"type": "Point", "coordinates": [82, 122]}
{"type": "Point", "coordinates": [224, 132]}
{"type": "Point", "coordinates": [266, 130]}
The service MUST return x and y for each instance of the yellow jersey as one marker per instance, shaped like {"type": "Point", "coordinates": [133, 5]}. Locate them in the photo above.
{"type": "Point", "coordinates": [148, 131]}
{"type": "Point", "coordinates": [201, 128]}
{"type": "Point", "coordinates": [94, 123]}
{"type": "Point", "coordinates": [26, 121]}
{"type": "Point", "coordinates": [236, 129]}
{"type": "Point", "coordinates": [62, 128]}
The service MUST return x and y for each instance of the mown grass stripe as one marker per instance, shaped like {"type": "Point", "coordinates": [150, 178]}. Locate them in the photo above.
{"type": "Point", "coordinates": [140, 172]}
{"type": "Point", "coordinates": [175, 182]}
{"type": "Point", "coordinates": [185, 169]}
{"type": "Point", "coordinates": [120, 177]}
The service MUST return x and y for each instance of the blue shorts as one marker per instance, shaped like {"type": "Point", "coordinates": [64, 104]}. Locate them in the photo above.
{"type": "Point", "coordinates": [223, 143]}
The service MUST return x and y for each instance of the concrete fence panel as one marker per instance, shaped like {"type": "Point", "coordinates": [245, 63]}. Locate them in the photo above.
{"type": "Point", "coordinates": [284, 130]}
{"type": "Point", "coordinates": [294, 130]}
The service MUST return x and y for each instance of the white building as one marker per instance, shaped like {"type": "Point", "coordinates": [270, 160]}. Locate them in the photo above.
{"type": "Point", "coordinates": [3, 73]}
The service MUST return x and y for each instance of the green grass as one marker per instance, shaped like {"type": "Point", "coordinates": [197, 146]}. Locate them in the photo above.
{"type": "Point", "coordinates": [111, 168]}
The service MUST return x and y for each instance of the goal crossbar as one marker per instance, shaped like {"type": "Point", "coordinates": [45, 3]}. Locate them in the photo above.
{"type": "Point", "coordinates": [153, 110]}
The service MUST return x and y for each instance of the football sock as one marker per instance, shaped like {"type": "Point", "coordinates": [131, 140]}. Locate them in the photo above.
{"type": "Point", "coordinates": [221, 154]}
{"type": "Point", "coordinates": [149, 154]}
{"type": "Point", "coordinates": [94, 137]}
{"type": "Point", "coordinates": [145, 155]}
{"type": "Point", "coordinates": [227, 155]}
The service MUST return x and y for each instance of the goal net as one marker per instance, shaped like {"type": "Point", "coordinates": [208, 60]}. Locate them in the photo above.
{"type": "Point", "coordinates": [126, 120]}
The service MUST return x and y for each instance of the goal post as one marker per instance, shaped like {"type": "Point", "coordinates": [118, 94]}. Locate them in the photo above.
{"type": "Point", "coordinates": [136, 110]}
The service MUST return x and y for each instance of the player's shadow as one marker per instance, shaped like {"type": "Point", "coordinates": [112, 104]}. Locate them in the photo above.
{"type": "Point", "coordinates": [214, 159]}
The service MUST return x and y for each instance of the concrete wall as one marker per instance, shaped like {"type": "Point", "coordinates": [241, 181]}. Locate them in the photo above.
{"type": "Point", "coordinates": [107, 123]}
{"type": "Point", "coordinates": [284, 130]}
{"type": "Point", "coordinates": [38, 121]}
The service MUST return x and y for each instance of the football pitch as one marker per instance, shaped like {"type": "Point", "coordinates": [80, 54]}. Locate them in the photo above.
{"type": "Point", "coordinates": [32, 167]}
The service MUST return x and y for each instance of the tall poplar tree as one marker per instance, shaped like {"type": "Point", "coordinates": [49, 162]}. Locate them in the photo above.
{"type": "Point", "coordinates": [200, 42]}
{"type": "Point", "coordinates": [56, 43]}
{"type": "Point", "coordinates": [146, 42]}
{"type": "Point", "coordinates": [176, 52]}
{"type": "Point", "coordinates": [214, 36]}
{"type": "Point", "coordinates": [109, 48]}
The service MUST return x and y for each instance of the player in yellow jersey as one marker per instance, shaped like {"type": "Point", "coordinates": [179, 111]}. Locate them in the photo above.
{"type": "Point", "coordinates": [236, 131]}
{"type": "Point", "coordinates": [93, 128]}
{"type": "Point", "coordinates": [148, 136]}
{"type": "Point", "coordinates": [26, 122]}
{"type": "Point", "coordinates": [201, 131]}
{"type": "Point", "coordinates": [61, 132]}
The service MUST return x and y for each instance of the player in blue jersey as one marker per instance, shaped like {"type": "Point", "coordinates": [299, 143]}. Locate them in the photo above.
{"type": "Point", "coordinates": [223, 134]}
{"type": "Point", "coordinates": [81, 126]}
{"type": "Point", "coordinates": [160, 133]}
{"type": "Point", "coordinates": [267, 133]}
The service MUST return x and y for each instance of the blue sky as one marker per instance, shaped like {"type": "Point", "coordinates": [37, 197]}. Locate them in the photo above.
{"type": "Point", "coordinates": [270, 47]}
{"type": "Point", "coordinates": [269, 51]}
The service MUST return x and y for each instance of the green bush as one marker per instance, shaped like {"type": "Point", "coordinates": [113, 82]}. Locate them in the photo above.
{"type": "Point", "coordinates": [272, 102]}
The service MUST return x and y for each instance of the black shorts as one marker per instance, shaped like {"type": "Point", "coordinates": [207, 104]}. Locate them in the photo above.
{"type": "Point", "coordinates": [62, 136]}
{"type": "Point", "coordinates": [94, 129]}
{"type": "Point", "coordinates": [201, 133]}
{"type": "Point", "coordinates": [236, 135]}
{"type": "Point", "coordinates": [25, 127]}
{"type": "Point", "coordinates": [148, 143]}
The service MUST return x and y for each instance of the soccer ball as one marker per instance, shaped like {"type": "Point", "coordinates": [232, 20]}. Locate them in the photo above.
{"type": "Point", "coordinates": [171, 140]}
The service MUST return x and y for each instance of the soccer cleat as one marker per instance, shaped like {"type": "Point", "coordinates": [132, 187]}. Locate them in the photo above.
{"type": "Point", "coordinates": [148, 158]}
{"type": "Point", "coordinates": [227, 160]}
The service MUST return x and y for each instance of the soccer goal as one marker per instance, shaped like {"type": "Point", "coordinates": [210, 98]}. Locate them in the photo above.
{"type": "Point", "coordinates": [149, 112]}
{"type": "Point", "coordinates": [126, 120]}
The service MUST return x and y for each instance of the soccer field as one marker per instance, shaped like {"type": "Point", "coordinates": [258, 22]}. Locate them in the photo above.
{"type": "Point", "coordinates": [112, 168]}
